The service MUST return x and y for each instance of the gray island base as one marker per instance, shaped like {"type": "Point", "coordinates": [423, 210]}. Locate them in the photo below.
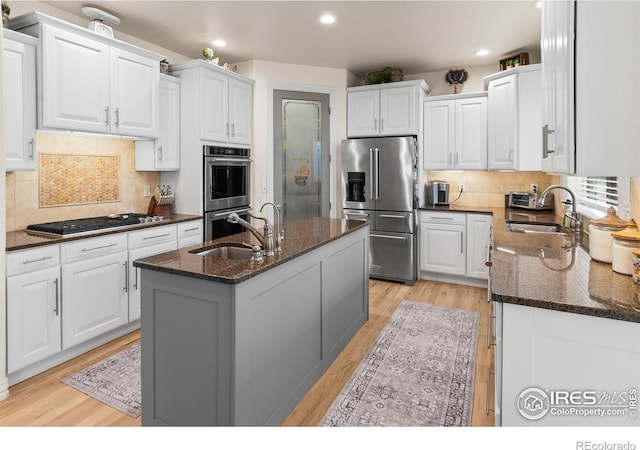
{"type": "Point", "coordinates": [243, 349]}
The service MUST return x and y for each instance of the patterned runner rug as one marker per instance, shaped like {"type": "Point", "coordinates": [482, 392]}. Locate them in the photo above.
{"type": "Point", "coordinates": [114, 381]}
{"type": "Point", "coordinates": [419, 372]}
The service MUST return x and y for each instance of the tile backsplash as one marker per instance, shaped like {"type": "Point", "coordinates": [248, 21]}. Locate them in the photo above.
{"type": "Point", "coordinates": [483, 188]}
{"type": "Point", "coordinates": [71, 160]}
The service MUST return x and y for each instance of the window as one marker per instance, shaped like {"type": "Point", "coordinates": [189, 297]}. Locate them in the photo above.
{"type": "Point", "coordinates": [595, 195]}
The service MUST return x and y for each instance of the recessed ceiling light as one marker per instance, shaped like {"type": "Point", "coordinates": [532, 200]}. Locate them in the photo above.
{"type": "Point", "coordinates": [219, 43]}
{"type": "Point", "coordinates": [481, 52]}
{"type": "Point", "coordinates": [327, 18]}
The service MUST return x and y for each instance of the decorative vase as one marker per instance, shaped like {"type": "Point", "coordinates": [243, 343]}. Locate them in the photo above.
{"type": "Point", "coordinates": [5, 20]}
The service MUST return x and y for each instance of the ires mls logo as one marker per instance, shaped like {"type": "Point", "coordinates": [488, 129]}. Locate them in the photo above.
{"type": "Point", "coordinates": [534, 403]}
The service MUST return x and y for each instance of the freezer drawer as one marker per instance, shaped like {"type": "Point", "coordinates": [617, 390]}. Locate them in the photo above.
{"type": "Point", "coordinates": [363, 215]}
{"type": "Point", "coordinates": [392, 256]}
{"type": "Point", "coordinates": [393, 221]}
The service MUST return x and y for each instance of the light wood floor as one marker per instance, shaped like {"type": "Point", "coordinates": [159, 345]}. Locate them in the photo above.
{"type": "Point", "coordinates": [45, 401]}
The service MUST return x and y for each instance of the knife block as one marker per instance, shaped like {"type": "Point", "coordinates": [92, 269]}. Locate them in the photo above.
{"type": "Point", "coordinates": [158, 210]}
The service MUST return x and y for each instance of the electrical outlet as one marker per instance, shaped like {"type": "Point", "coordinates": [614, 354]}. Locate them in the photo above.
{"type": "Point", "coordinates": [146, 189]}
{"type": "Point", "coordinates": [264, 188]}
{"type": "Point", "coordinates": [534, 188]}
{"type": "Point", "coordinates": [461, 187]}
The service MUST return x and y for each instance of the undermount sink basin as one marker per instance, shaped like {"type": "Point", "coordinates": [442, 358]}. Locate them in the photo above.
{"type": "Point", "coordinates": [535, 228]}
{"type": "Point", "coordinates": [224, 251]}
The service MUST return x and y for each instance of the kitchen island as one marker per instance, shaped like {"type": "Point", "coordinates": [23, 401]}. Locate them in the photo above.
{"type": "Point", "coordinates": [236, 342]}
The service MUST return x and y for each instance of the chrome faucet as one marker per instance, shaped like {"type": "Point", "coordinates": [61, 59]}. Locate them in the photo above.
{"type": "Point", "coordinates": [575, 223]}
{"type": "Point", "coordinates": [265, 239]}
{"type": "Point", "coordinates": [277, 221]}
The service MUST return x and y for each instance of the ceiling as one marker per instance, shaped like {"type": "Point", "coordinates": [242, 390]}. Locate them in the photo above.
{"type": "Point", "coordinates": [417, 36]}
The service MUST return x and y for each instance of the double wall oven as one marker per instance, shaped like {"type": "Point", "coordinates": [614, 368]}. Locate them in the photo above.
{"type": "Point", "coordinates": [227, 189]}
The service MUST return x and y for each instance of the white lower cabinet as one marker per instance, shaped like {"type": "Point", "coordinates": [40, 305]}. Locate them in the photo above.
{"type": "Point", "coordinates": [95, 287]}
{"type": "Point", "coordinates": [190, 233]}
{"type": "Point", "coordinates": [145, 243]}
{"type": "Point", "coordinates": [454, 243]}
{"type": "Point", "coordinates": [582, 366]}
{"type": "Point", "coordinates": [33, 306]}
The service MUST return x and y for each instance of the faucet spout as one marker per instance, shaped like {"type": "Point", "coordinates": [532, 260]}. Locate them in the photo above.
{"type": "Point", "coordinates": [573, 216]}
{"type": "Point", "coordinates": [277, 222]}
{"type": "Point", "coordinates": [265, 239]}
{"type": "Point", "coordinates": [234, 218]}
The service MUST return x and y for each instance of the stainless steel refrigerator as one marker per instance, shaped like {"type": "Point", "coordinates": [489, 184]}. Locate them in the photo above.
{"type": "Point", "coordinates": [379, 182]}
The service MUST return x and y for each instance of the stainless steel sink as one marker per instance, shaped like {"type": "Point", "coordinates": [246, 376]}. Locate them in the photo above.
{"type": "Point", "coordinates": [535, 228]}
{"type": "Point", "coordinates": [224, 252]}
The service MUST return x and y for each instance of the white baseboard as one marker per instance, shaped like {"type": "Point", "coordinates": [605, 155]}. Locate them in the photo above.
{"type": "Point", "coordinates": [453, 279]}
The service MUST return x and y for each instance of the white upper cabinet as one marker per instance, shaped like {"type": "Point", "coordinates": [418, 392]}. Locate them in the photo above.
{"type": "Point", "coordinates": [579, 72]}
{"type": "Point", "coordinates": [226, 107]}
{"type": "Point", "coordinates": [455, 132]}
{"type": "Point", "coordinates": [91, 83]}
{"type": "Point", "coordinates": [514, 119]}
{"type": "Point", "coordinates": [19, 101]}
{"type": "Point", "coordinates": [163, 153]}
{"type": "Point", "coordinates": [390, 109]}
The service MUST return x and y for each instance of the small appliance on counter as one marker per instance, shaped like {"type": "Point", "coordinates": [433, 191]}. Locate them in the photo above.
{"type": "Point", "coordinates": [527, 200]}
{"type": "Point", "coordinates": [437, 193]}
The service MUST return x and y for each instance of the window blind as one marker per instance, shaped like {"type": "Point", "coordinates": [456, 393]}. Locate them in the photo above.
{"type": "Point", "coordinates": [600, 190]}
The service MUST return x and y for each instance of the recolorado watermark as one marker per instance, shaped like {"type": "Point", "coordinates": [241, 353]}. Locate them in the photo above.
{"type": "Point", "coordinates": [534, 403]}
{"type": "Point", "coordinates": [588, 445]}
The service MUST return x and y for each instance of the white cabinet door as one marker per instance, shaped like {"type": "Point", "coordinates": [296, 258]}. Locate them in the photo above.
{"type": "Point", "coordinates": [567, 353]}
{"type": "Point", "coordinates": [363, 113]}
{"type": "Point", "coordinates": [19, 103]}
{"type": "Point", "coordinates": [470, 134]}
{"type": "Point", "coordinates": [240, 112]}
{"type": "Point", "coordinates": [33, 317]}
{"type": "Point", "coordinates": [134, 274]}
{"type": "Point", "coordinates": [214, 92]}
{"type": "Point", "coordinates": [442, 248]}
{"type": "Point", "coordinates": [478, 239]}
{"type": "Point", "coordinates": [397, 111]}
{"type": "Point", "coordinates": [168, 143]}
{"type": "Point", "coordinates": [438, 134]}
{"type": "Point", "coordinates": [135, 94]}
{"type": "Point", "coordinates": [502, 122]}
{"type": "Point", "coordinates": [75, 82]}
{"type": "Point", "coordinates": [94, 293]}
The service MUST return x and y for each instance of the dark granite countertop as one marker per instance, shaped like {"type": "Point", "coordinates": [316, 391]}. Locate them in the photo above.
{"type": "Point", "coordinates": [301, 236]}
{"type": "Point", "coordinates": [20, 240]}
{"type": "Point", "coordinates": [536, 270]}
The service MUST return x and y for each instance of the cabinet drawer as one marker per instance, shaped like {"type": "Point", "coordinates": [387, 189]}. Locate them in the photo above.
{"type": "Point", "coordinates": [398, 222]}
{"type": "Point", "coordinates": [442, 217]}
{"type": "Point", "coordinates": [24, 261]}
{"type": "Point", "coordinates": [152, 236]}
{"type": "Point", "coordinates": [90, 248]}
{"type": "Point", "coordinates": [188, 229]}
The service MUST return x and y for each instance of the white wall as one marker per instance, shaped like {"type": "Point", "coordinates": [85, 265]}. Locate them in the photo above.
{"type": "Point", "coordinates": [271, 75]}
{"type": "Point", "coordinates": [439, 86]}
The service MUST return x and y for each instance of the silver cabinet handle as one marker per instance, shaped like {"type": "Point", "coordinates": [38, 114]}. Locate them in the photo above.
{"type": "Point", "coordinates": [226, 128]}
{"type": "Point", "coordinates": [57, 296]}
{"type": "Point", "coordinates": [126, 276]}
{"type": "Point", "coordinates": [489, 333]}
{"type": "Point", "coordinates": [29, 261]}
{"type": "Point", "coordinates": [456, 159]}
{"type": "Point", "coordinates": [381, 123]}
{"type": "Point", "coordinates": [99, 247]}
{"type": "Point", "coordinates": [135, 280]}
{"type": "Point", "coordinates": [31, 149]}
{"type": "Point", "coordinates": [191, 229]}
{"type": "Point", "coordinates": [441, 218]}
{"type": "Point", "coordinates": [487, 261]}
{"type": "Point", "coordinates": [117, 117]}
{"type": "Point", "coordinates": [156, 236]}
{"type": "Point", "coordinates": [545, 141]}
{"type": "Point", "coordinates": [449, 163]}
{"type": "Point", "coordinates": [511, 155]}
{"type": "Point", "coordinates": [461, 242]}
{"type": "Point", "coordinates": [489, 373]}
{"type": "Point", "coordinates": [233, 130]}
{"type": "Point", "coordinates": [375, 123]}
{"type": "Point", "coordinates": [106, 116]}
{"type": "Point", "coordinates": [160, 153]}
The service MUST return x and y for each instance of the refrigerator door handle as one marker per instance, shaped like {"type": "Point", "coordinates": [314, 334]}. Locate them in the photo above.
{"type": "Point", "coordinates": [377, 169]}
{"type": "Point", "coordinates": [372, 189]}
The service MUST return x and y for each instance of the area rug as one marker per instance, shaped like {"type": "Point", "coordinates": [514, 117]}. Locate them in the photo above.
{"type": "Point", "coordinates": [419, 372]}
{"type": "Point", "coordinates": [114, 381]}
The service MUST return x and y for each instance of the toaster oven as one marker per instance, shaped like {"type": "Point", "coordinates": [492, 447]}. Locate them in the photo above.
{"type": "Point", "coordinates": [527, 200]}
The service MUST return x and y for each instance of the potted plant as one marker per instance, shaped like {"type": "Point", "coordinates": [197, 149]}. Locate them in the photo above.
{"type": "Point", "coordinates": [509, 63]}
{"type": "Point", "coordinates": [516, 61]}
{"type": "Point", "coordinates": [6, 10]}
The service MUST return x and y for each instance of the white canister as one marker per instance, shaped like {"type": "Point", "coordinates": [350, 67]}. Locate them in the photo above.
{"type": "Point", "coordinates": [600, 239]}
{"type": "Point", "coordinates": [624, 243]}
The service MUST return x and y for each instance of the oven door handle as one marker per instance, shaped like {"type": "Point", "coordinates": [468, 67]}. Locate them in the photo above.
{"type": "Point", "coordinates": [238, 161]}
{"type": "Point", "coordinates": [226, 213]}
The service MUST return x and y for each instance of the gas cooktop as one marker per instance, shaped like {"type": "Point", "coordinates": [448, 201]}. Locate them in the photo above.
{"type": "Point", "coordinates": [90, 225]}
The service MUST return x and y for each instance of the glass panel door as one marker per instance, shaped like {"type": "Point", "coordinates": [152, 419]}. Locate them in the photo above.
{"type": "Point", "coordinates": [301, 153]}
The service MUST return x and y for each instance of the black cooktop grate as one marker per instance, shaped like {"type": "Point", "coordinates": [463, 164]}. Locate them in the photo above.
{"type": "Point", "coordinates": [66, 227]}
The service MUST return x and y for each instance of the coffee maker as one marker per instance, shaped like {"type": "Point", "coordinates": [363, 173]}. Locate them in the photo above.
{"type": "Point", "coordinates": [437, 193]}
